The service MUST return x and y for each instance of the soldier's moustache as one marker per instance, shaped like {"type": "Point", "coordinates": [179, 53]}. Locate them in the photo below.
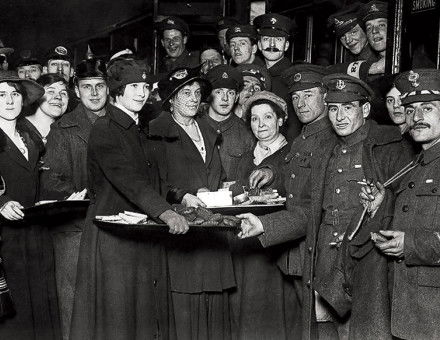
{"type": "Point", "coordinates": [416, 126]}
{"type": "Point", "coordinates": [272, 49]}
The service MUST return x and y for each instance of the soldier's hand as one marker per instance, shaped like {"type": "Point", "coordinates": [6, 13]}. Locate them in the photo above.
{"type": "Point", "coordinates": [377, 67]}
{"type": "Point", "coordinates": [394, 245]}
{"type": "Point", "coordinates": [176, 222]}
{"type": "Point", "coordinates": [260, 177]}
{"type": "Point", "coordinates": [250, 226]}
{"type": "Point", "coordinates": [12, 211]}
{"type": "Point", "coordinates": [192, 201]}
{"type": "Point", "coordinates": [372, 196]}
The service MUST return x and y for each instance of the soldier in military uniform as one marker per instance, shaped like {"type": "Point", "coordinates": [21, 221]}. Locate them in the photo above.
{"type": "Point", "coordinates": [242, 42]}
{"type": "Point", "coordinates": [273, 42]}
{"type": "Point", "coordinates": [174, 34]}
{"type": "Point", "coordinates": [350, 30]}
{"type": "Point", "coordinates": [223, 24]}
{"type": "Point", "coordinates": [4, 52]}
{"type": "Point", "coordinates": [413, 243]}
{"type": "Point", "coordinates": [28, 66]}
{"type": "Point", "coordinates": [236, 138]}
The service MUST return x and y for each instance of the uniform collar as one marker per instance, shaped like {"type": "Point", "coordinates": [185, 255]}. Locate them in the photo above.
{"type": "Point", "coordinates": [120, 117]}
{"type": "Point", "coordinates": [431, 154]}
{"type": "Point", "coordinates": [279, 67]}
{"type": "Point", "coordinates": [222, 125]}
{"type": "Point", "coordinates": [315, 127]}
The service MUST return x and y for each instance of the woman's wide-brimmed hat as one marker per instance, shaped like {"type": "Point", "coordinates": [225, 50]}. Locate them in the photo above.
{"type": "Point", "coordinates": [180, 77]}
{"type": "Point", "coordinates": [34, 91]}
{"type": "Point", "coordinates": [270, 96]}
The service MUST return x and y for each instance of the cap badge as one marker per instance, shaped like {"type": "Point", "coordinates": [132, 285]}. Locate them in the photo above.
{"type": "Point", "coordinates": [374, 8]}
{"type": "Point", "coordinates": [338, 22]}
{"type": "Point", "coordinates": [273, 20]}
{"type": "Point", "coordinates": [60, 50]}
{"type": "Point", "coordinates": [340, 84]}
{"type": "Point", "coordinates": [225, 75]}
{"type": "Point", "coordinates": [170, 22]}
{"type": "Point", "coordinates": [144, 75]}
{"type": "Point", "coordinates": [413, 78]}
{"type": "Point", "coordinates": [297, 77]}
{"type": "Point", "coordinates": [179, 74]}
{"type": "Point", "coordinates": [237, 29]}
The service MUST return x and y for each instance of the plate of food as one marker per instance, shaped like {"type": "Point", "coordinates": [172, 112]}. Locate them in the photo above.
{"type": "Point", "coordinates": [199, 219]}
{"type": "Point", "coordinates": [48, 209]}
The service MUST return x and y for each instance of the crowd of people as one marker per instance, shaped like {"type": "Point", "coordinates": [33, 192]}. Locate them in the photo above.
{"type": "Point", "coordinates": [354, 254]}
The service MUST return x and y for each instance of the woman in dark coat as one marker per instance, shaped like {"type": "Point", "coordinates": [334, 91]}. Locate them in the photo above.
{"type": "Point", "coordinates": [25, 248]}
{"type": "Point", "coordinates": [263, 300]}
{"type": "Point", "coordinates": [122, 287]}
{"type": "Point", "coordinates": [200, 264]}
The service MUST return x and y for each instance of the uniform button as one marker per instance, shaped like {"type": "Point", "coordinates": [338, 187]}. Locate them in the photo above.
{"type": "Point", "coordinates": [340, 170]}
{"type": "Point", "coordinates": [309, 283]}
{"type": "Point", "coordinates": [405, 208]}
{"type": "Point", "coordinates": [292, 176]}
{"type": "Point", "coordinates": [335, 234]}
{"type": "Point", "coordinates": [297, 154]}
{"type": "Point", "coordinates": [155, 283]}
{"type": "Point", "coordinates": [344, 150]}
{"type": "Point", "coordinates": [290, 196]}
{"type": "Point", "coordinates": [338, 190]}
{"type": "Point", "coordinates": [310, 249]}
{"type": "Point", "coordinates": [411, 185]}
{"type": "Point", "coordinates": [218, 131]}
{"type": "Point", "coordinates": [303, 137]}
{"type": "Point", "coordinates": [434, 190]}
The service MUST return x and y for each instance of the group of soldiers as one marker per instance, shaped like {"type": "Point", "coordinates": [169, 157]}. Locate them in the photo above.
{"type": "Point", "coordinates": [360, 231]}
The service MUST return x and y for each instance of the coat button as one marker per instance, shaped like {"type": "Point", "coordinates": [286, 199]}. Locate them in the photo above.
{"type": "Point", "coordinates": [310, 249]}
{"type": "Point", "coordinates": [297, 154]}
{"type": "Point", "coordinates": [344, 150]}
{"type": "Point", "coordinates": [434, 190]}
{"type": "Point", "coordinates": [405, 208]}
{"type": "Point", "coordinates": [155, 283]}
{"type": "Point", "coordinates": [308, 283]}
{"type": "Point", "coordinates": [335, 234]}
{"type": "Point", "coordinates": [290, 196]}
{"type": "Point", "coordinates": [411, 185]}
{"type": "Point", "coordinates": [340, 171]}
{"type": "Point", "coordinates": [337, 190]}
{"type": "Point", "coordinates": [292, 176]}
{"type": "Point", "coordinates": [303, 137]}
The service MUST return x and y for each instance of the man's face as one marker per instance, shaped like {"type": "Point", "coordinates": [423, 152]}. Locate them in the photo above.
{"type": "Point", "coordinates": [11, 102]}
{"type": "Point", "coordinates": [242, 51]}
{"type": "Point", "coordinates": [394, 106]}
{"type": "Point", "coordinates": [354, 40]}
{"type": "Point", "coordinates": [62, 67]}
{"type": "Point", "coordinates": [3, 62]}
{"type": "Point", "coordinates": [55, 99]}
{"type": "Point", "coordinates": [377, 33]}
{"type": "Point", "coordinates": [29, 71]}
{"type": "Point", "coordinates": [209, 59]}
{"type": "Point", "coordinates": [222, 40]}
{"type": "Point", "coordinates": [223, 100]}
{"type": "Point", "coordinates": [423, 119]}
{"type": "Point", "coordinates": [309, 105]}
{"type": "Point", "coordinates": [250, 86]}
{"type": "Point", "coordinates": [92, 92]}
{"type": "Point", "coordinates": [134, 97]}
{"type": "Point", "coordinates": [173, 42]}
{"type": "Point", "coordinates": [347, 118]}
{"type": "Point", "coordinates": [273, 48]}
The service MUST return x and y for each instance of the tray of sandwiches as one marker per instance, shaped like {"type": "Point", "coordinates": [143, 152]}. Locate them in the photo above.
{"type": "Point", "coordinates": [199, 219]}
{"type": "Point", "coordinates": [52, 208]}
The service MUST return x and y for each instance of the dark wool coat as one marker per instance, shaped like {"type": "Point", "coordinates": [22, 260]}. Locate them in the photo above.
{"type": "Point", "coordinates": [415, 312]}
{"type": "Point", "coordinates": [198, 262]}
{"type": "Point", "coordinates": [292, 127]}
{"type": "Point", "coordinates": [264, 304]}
{"type": "Point", "coordinates": [122, 287]}
{"type": "Point", "coordinates": [384, 153]}
{"type": "Point", "coordinates": [26, 249]}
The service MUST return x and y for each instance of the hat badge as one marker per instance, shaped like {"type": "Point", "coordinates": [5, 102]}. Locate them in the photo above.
{"type": "Point", "coordinates": [179, 74]}
{"type": "Point", "coordinates": [61, 50]}
{"type": "Point", "coordinates": [338, 22]}
{"type": "Point", "coordinates": [273, 21]}
{"type": "Point", "coordinates": [374, 8]}
{"type": "Point", "coordinates": [144, 75]}
{"type": "Point", "coordinates": [170, 22]}
{"type": "Point", "coordinates": [225, 75]}
{"type": "Point", "coordinates": [413, 78]}
{"type": "Point", "coordinates": [237, 29]}
{"type": "Point", "coordinates": [297, 77]}
{"type": "Point", "coordinates": [340, 84]}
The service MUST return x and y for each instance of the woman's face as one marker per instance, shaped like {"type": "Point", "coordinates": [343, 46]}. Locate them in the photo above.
{"type": "Point", "coordinates": [264, 122]}
{"type": "Point", "coordinates": [11, 102]}
{"type": "Point", "coordinates": [394, 106]}
{"type": "Point", "coordinates": [135, 96]}
{"type": "Point", "coordinates": [187, 100]}
{"type": "Point", "coordinates": [55, 100]}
